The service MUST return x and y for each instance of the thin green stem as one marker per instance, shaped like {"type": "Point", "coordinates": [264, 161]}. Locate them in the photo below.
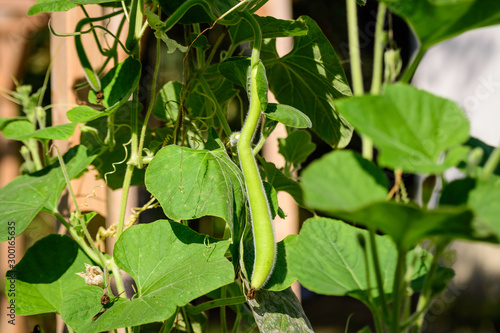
{"type": "Point", "coordinates": [378, 50]}
{"type": "Point", "coordinates": [200, 56]}
{"type": "Point", "coordinates": [425, 294]}
{"type": "Point", "coordinates": [410, 70]}
{"type": "Point", "coordinates": [398, 291]}
{"type": "Point", "coordinates": [32, 146]}
{"type": "Point", "coordinates": [85, 247]}
{"type": "Point", "coordinates": [123, 204]}
{"type": "Point", "coordinates": [152, 101]}
{"type": "Point", "coordinates": [217, 303]}
{"type": "Point", "coordinates": [356, 72]}
{"type": "Point", "coordinates": [189, 329]}
{"type": "Point", "coordinates": [120, 287]}
{"type": "Point", "coordinates": [102, 260]}
{"type": "Point", "coordinates": [223, 322]}
{"type": "Point", "coordinates": [354, 52]}
{"type": "Point", "coordinates": [215, 47]}
{"type": "Point", "coordinates": [237, 322]}
{"type": "Point", "coordinates": [218, 110]}
{"type": "Point", "coordinates": [491, 164]}
{"type": "Point", "coordinates": [135, 25]}
{"type": "Point", "coordinates": [378, 273]}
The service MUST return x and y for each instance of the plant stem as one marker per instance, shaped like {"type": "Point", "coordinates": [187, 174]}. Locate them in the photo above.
{"type": "Point", "coordinates": [101, 259]}
{"type": "Point", "coordinates": [223, 322]}
{"type": "Point", "coordinates": [118, 278]}
{"type": "Point", "coordinates": [356, 72]}
{"type": "Point", "coordinates": [491, 164]}
{"type": "Point", "coordinates": [378, 273]}
{"type": "Point", "coordinates": [85, 247]}
{"type": "Point", "coordinates": [424, 299]}
{"type": "Point", "coordinates": [354, 52]}
{"type": "Point", "coordinates": [217, 303]}
{"type": "Point", "coordinates": [152, 101]}
{"type": "Point", "coordinates": [123, 204]}
{"type": "Point", "coordinates": [410, 70]}
{"type": "Point", "coordinates": [398, 291]}
{"type": "Point", "coordinates": [218, 110]}
{"type": "Point", "coordinates": [378, 50]}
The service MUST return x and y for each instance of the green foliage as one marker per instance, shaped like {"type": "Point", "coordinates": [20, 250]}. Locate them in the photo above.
{"type": "Point", "coordinates": [48, 6]}
{"type": "Point", "coordinates": [47, 274]}
{"type": "Point", "coordinates": [25, 196]}
{"type": "Point", "coordinates": [410, 136]}
{"type": "Point", "coordinates": [314, 78]}
{"type": "Point", "coordinates": [182, 261]}
{"type": "Point", "coordinates": [200, 165]}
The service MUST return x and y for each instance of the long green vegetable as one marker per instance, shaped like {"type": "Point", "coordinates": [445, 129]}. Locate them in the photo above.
{"type": "Point", "coordinates": [265, 246]}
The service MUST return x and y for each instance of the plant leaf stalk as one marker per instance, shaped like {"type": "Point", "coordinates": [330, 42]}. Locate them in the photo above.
{"type": "Point", "coordinates": [265, 246]}
{"type": "Point", "coordinates": [357, 82]}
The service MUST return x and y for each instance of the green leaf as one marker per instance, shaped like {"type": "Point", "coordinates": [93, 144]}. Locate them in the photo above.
{"type": "Point", "coordinates": [280, 182]}
{"type": "Point", "coordinates": [436, 20]}
{"type": "Point", "coordinates": [410, 135]}
{"type": "Point", "coordinates": [46, 274]}
{"type": "Point", "coordinates": [272, 198]}
{"type": "Point", "coordinates": [483, 200]}
{"type": "Point", "coordinates": [192, 183]}
{"type": "Point", "coordinates": [175, 266]}
{"type": "Point", "coordinates": [90, 2]}
{"type": "Point", "coordinates": [22, 129]}
{"type": "Point", "coordinates": [58, 132]}
{"type": "Point", "coordinates": [309, 78]}
{"type": "Point", "coordinates": [342, 181]}
{"type": "Point", "coordinates": [48, 6]}
{"type": "Point", "coordinates": [25, 196]}
{"type": "Point", "coordinates": [287, 115]}
{"type": "Point", "coordinates": [296, 147]}
{"type": "Point", "coordinates": [271, 28]}
{"type": "Point", "coordinates": [281, 277]}
{"type": "Point", "coordinates": [361, 3]}
{"type": "Point", "coordinates": [262, 85]}
{"type": "Point", "coordinates": [345, 185]}
{"type": "Point", "coordinates": [235, 69]}
{"type": "Point", "coordinates": [279, 312]}
{"type": "Point", "coordinates": [83, 114]}
{"type": "Point", "coordinates": [119, 83]}
{"type": "Point", "coordinates": [18, 129]}
{"type": "Point", "coordinates": [408, 224]}
{"type": "Point", "coordinates": [328, 259]}
{"type": "Point", "coordinates": [168, 102]}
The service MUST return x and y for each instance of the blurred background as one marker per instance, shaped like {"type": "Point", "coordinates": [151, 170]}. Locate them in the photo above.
{"type": "Point", "coordinates": [465, 69]}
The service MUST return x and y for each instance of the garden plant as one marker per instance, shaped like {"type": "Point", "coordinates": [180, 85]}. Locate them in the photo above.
{"type": "Point", "coordinates": [368, 239]}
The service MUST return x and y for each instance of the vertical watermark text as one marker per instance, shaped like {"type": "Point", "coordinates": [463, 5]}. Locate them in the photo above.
{"type": "Point", "coordinates": [11, 274]}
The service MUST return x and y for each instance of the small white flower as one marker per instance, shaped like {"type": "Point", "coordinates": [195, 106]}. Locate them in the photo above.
{"type": "Point", "coordinates": [93, 276]}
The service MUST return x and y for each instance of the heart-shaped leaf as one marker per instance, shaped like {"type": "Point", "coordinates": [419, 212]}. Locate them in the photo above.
{"type": "Point", "coordinates": [309, 78]}
{"type": "Point", "coordinates": [329, 259]}
{"type": "Point", "coordinates": [436, 20]}
{"type": "Point", "coordinates": [192, 183]}
{"type": "Point", "coordinates": [119, 83]}
{"type": "Point", "coordinates": [46, 274]}
{"type": "Point", "coordinates": [410, 135]}
{"type": "Point", "coordinates": [25, 196]}
{"type": "Point", "coordinates": [49, 6]}
{"type": "Point", "coordinates": [174, 266]}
